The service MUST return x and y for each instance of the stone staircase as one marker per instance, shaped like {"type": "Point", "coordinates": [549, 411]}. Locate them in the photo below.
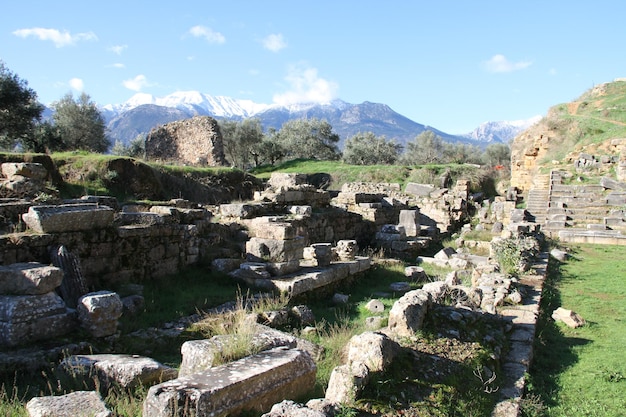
{"type": "Point", "coordinates": [538, 197]}
{"type": "Point", "coordinates": [588, 208]}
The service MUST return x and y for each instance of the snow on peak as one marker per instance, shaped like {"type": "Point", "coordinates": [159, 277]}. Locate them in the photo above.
{"type": "Point", "coordinates": [195, 103]}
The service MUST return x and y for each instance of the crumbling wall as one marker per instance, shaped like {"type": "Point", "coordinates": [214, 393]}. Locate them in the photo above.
{"type": "Point", "coordinates": [195, 141]}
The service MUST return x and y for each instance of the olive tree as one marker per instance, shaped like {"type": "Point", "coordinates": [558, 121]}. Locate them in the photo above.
{"type": "Point", "coordinates": [136, 148]}
{"type": "Point", "coordinates": [308, 139]}
{"type": "Point", "coordinates": [240, 138]}
{"type": "Point", "coordinates": [80, 124]}
{"type": "Point", "coordinates": [369, 149]}
{"type": "Point", "coordinates": [497, 154]}
{"type": "Point", "coordinates": [19, 109]}
{"type": "Point", "coordinates": [459, 153]}
{"type": "Point", "coordinates": [425, 148]}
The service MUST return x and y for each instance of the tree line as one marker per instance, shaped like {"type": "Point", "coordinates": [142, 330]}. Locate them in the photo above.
{"type": "Point", "coordinates": [246, 145]}
{"type": "Point", "coordinates": [77, 124]}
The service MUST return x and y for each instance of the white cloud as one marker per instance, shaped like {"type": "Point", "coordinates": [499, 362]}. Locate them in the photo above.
{"type": "Point", "coordinates": [305, 86]}
{"type": "Point", "coordinates": [552, 71]}
{"type": "Point", "coordinates": [118, 49]}
{"type": "Point", "coordinates": [499, 63]}
{"type": "Point", "coordinates": [207, 33]}
{"type": "Point", "coordinates": [118, 65]}
{"type": "Point", "coordinates": [77, 84]}
{"type": "Point", "coordinates": [59, 38]}
{"type": "Point", "coordinates": [137, 83]}
{"type": "Point", "coordinates": [274, 42]}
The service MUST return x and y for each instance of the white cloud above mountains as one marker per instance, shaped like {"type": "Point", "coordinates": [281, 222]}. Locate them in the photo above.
{"type": "Point", "coordinates": [306, 86]}
{"type": "Point", "coordinates": [77, 84]}
{"type": "Point", "coordinates": [118, 49]}
{"type": "Point", "coordinates": [59, 38]}
{"type": "Point", "coordinates": [137, 83]}
{"type": "Point", "coordinates": [274, 42]}
{"type": "Point", "coordinates": [207, 33]}
{"type": "Point", "coordinates": [499, 64]}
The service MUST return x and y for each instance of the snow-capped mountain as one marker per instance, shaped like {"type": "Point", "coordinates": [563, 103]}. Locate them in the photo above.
{"type": "Point", "coordinates": [193, 102]}
{"type": "Point", "coordinates": [503, 131]}
{"type": "Point", "coordinates": [142, 112]}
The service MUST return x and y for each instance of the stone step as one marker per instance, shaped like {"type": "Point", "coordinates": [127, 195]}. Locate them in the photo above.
{"type": "Point", "coordinates": [578, 188]}
{"type": "Point", "coordinates": [253, 383]}
{"type": "Point", "coordinates": [579, 235]}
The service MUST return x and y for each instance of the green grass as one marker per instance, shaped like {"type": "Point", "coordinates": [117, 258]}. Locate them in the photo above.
{"type": "Point", "coordinates": [337, 324]}
{"type": "Point", "coordinates": [600, 115]}
{"type": "Point", "coordinates": [581, 372]}
{"type": "Point", "coordinates": [342, 173]}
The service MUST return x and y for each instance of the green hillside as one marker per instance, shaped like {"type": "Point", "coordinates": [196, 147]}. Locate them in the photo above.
{"type": "Point", "coordinates": [588, 123]}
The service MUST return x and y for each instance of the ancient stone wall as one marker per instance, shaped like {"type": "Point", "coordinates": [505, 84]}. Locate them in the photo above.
{"type": "Point", "coordinates": [195, 141]}
{"type": "Point", "coordinates": [121, 254]}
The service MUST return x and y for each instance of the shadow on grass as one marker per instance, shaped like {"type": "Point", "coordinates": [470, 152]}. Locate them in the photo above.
{"type": "Point", "coordinates": [553, 351]}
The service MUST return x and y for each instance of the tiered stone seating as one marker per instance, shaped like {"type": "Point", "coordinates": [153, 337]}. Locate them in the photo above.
{"type": "Point", "coordinates": [572, 209]}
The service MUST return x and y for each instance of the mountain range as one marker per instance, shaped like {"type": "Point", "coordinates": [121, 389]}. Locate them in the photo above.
{"type": "Point", "coordinates": [142, 112]}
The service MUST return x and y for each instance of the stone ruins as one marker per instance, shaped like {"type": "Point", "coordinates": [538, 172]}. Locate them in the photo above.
{"type": "Point", "coordinates": [195, 141]}
{"type": "Point", "coordinates": [293, 238]}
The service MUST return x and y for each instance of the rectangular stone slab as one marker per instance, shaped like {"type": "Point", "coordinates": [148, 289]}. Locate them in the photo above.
{"type": "Point", "coordinates": [68, 218]}
{"type": "Point", "coordinates": [40, 328]}
{"type": "Point", "coordinates": [19, 308]}
{"type": "Point", "coordinates": [254, 383]}
{"type": "Point", "coordinates": [29, 278]}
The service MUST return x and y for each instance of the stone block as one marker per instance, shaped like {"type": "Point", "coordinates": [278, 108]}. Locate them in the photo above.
{"type": "Point", "coordinates": [289, 408]}
{"type": "Point", "coordinates": [347, 249]}
{"type": "Point", "coordinates": [31, 278]}
{"type": "Point", "coordinates": [272, 250]}
{"type": "Point", "coordinates": [27, 318]}
{"type": "Point", "coordinates": [254, 383]}
{"type": "Point", "coordinates": [611, 184]}
{"type": "Point", "coordinates": [408, 313]}
{"type": "Point", "coordinates": [225, 264]}
{"type": "Point", "coordinates": [99, 311]}
{"type": "Point", "coordinates": [279, 269]}
{"type": "Point", "coordinates": [31, 170]}
{"type": "Point", "coordinates": [410, 220]}
{"type": "Point", "coordinates": [239, 210]}
{"type": "Point", "coordinates": [68, 218]}
{"type": "Point", "coordinates": [309, 281]}
{"type": "Point", "coordinates": [445, 254]}
{"type": "Point", "coordinates": [568, 317]}
{"type": "Point", "coordinates": [74, 404]}
{"type": "Point", "coordinates": [304, 211]}
{"type": "Point", "coordinates": [287, 180]}
{"type": "Point", "coordinates": [200, 355]}
{"type": "Point", "coordinates": [126, 371]}
{"type": "Point", "coordinates": [143, 218]}
{"type": "Point", "coordinates": [436, 289]}
{"type": "Point", "coordinates": [17, 308]}
{"type": "Point", "coordinates": [346, 382]}
{"type": "Point", "coordinates": [268, 227]}
{"type": "Point", "coordinates": [415, 273]}
{"type": "Point", "coordinates": [103, 200]}
{"type": "Point", "coordinates": [375, 350]}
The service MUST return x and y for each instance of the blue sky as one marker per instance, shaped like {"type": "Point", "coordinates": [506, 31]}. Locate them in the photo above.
{"type": "Point", "coordinates": [447, 64]}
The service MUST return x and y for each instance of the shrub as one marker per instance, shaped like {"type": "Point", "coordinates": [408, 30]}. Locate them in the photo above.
{"type": "Point", "coordinates": [514, 254]}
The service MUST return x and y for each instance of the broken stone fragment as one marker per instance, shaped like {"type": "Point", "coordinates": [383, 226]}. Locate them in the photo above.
{"type": "Point", "coordinates": [568, 317]}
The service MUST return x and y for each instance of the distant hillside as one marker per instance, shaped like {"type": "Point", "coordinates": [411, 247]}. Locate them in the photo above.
{"type": "Point", "coordinates": [504, 131]}
{"type": "Point", "coordinates": [140, 120]}
{"type": "Point", "coordinates": [587, 124]}
{"type": "Point", "coordinates": [143, 112]}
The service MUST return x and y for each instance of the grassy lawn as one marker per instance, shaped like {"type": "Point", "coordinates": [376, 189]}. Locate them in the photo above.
{"type": "Point", "coordinates": [342, 173]}
{"type": "Point", "coordinates": [582, 372]}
